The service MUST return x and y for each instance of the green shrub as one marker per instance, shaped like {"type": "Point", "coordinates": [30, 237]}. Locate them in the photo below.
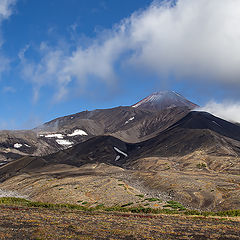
{"type": "Point", "coordinates": [153, 199]}
{"type": "Point", "coordinates": [99, 206]}
{"type": "Point", "coordinates": [201, 165]}
{"type": "Point", "coordinates": [175, 205]}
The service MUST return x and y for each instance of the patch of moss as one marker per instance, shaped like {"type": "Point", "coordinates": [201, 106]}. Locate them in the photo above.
{"type": "Point", "coordinates": [153, 199]}
{"type": "Point", "coordinates": [140, 195]}
{"type": "Point", "coordinates": [175, 205]}
{"type": "Point", "coordinates": [201, 165]}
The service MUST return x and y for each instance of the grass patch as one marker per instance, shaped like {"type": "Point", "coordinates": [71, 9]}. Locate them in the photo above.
{"type": "Point", "coordinates": [99, 206]}
{"type": "Point", "coordinates": [175, 205]}
{"type": "Point", "coordinates": [153, 199]}
{"type": "Point", "coordinates": [140, 209]}
{"type": "Point", "coordinates": [140, 195]}
{"type": "Point", "coordinates": [201, 165]}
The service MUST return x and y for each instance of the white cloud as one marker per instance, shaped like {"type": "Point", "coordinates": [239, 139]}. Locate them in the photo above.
{"type": "Point", "coordinates": [192, 38]}
{"type": "Point", "coordinates": [227, 110]}
{"type": "Point", "coordinates": [59, 67]}
{"type": "Point", "coordinates": [195, 37]}
{"type": "Point", "coordinates": [6, 8]}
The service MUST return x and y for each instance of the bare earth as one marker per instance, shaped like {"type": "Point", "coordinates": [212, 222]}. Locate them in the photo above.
{"type": "Point", "coordinates": [110, 185]}
{"type": "Point", "coordinates": [38, 223]}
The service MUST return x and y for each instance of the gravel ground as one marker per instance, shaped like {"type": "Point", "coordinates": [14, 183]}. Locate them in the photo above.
{"type": "Point", "coordinates": [4, 193]}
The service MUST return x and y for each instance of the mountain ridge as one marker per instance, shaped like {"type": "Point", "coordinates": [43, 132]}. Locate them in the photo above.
{"type": "Point", "coordinates": [126, 123]}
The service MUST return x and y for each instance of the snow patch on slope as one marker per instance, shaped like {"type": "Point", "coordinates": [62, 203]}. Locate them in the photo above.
{"type": "Point", "coordinates": [163, 100]}
{"type": "Point", "coordinates": [64, 142]}
{"type": "Point", "coordinates": [78, 132]}
{"type": "Point", "coordinates": [129, 120]}
{"type": "Point", "coordinates": [152, 98]}
{"type": "Point", "coordinates": [17, 145]}
{"type": "Point", "coordinates": [119, 151]}
{"type": "Point", "coordinates": [55, 135]}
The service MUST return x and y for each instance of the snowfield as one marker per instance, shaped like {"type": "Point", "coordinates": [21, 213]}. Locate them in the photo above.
{"type": "Point", "coordinates": [129, 120]}
{"type": "Point", "coordinates": [55, 135]}
{"type": "Point", "coordinates": [64, 142]}
{"type": "Point", "coordinates": [119, 151]}
{"type": "Point", "coordinates": [17, 145]}
{"type": "Point", "coordinates": [78, 132]}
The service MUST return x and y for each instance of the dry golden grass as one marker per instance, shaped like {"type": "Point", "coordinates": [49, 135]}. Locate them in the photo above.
{"type": "Point", "coordinates": [38, 223]}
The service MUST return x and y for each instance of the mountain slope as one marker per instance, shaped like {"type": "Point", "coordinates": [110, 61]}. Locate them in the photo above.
{"type": "Point", "coordinates": [195, 162]}
{"type": "Point", "coordinates": [130, 124]}
{"type": "Point", "coordinates": [127, 123]}
{"type": "Point", "coordinates": [198, 131]}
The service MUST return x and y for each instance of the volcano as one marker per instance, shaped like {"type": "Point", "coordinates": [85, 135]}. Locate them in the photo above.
{"type": "Point", "coordinates": [164, 100]}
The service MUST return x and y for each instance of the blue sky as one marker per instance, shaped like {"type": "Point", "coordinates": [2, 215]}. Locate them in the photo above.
{"type": "Point", "coordinates": [59, 57]}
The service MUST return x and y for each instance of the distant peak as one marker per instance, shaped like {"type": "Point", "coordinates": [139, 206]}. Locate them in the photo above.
{"type": "Point", "coordinates": [164, 99]}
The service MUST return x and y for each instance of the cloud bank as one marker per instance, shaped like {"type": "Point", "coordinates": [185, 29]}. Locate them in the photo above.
{"type": "Point", "coordinates": [229, 111]}
{"type": "Point", "coordinates": [189, 39]}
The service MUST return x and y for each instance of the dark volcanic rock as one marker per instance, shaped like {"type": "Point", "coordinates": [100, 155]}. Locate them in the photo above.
{"type": "Point", "coordinates": [205, 120]}
{"type": "Point", "coordinates": [102, 149]}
